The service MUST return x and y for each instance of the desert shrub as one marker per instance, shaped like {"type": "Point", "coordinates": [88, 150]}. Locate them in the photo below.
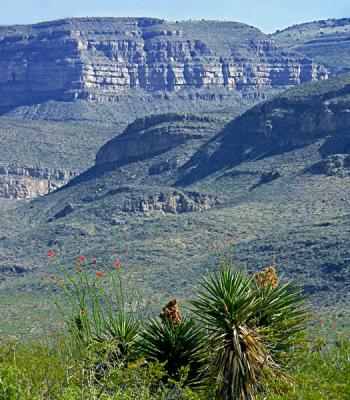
{"type": "Point", "coordinates": [322, 371]}
{"type": "Point", "coordinates": [101, 317]}
{"type": "Point", "coordinates": [176, 342]}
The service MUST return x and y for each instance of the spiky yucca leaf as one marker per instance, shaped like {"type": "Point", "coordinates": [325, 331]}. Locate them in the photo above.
{"type": "Point", "coordinates": [121, 335]}
{"type": "Point", "coordinates": [251, 329]}
{"type": "Point", "coordinates": [176, 346]}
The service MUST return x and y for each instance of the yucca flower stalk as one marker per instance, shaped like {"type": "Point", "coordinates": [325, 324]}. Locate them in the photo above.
{"type": "Point", "coordinates": [252, 330]}
{"type": "Point", "coordinates": [177, 343]}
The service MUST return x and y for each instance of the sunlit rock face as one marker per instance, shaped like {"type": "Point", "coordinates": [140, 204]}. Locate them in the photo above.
{"type": "Point", "coordinates": [100, 58]}
{"type": "Point", "coordinates": [23, 182]}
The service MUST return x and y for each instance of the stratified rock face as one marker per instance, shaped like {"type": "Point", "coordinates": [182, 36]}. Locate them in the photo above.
{"type": "Point", "coordinates": [18, 182]}
{"type": "Point", "coordinates": [99, 58]}
{"type": "Point", "coordinates": [172, 203]}
{"type": "Point", "coordinates": [148, 136]}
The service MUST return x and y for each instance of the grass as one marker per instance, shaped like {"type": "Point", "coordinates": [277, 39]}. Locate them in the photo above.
{"type": "Point", "coordinates": [39, 372]}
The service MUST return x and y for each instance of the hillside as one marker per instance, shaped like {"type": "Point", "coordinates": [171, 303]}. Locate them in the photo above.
{"type": "Point", "coordinates": [83, 80]}
{"type": "Point", "coordinates": [317, 112]}
{"type": "Point", "coordinates": [42, 145]}
{"type": "Point", "coordinates": [280, 183]}
{"type": "Point", "coordinates": [326, 42]}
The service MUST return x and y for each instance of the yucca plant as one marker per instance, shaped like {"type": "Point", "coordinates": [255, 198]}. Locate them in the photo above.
{"type": "Point", "coordinates": [179, 344]}
{"type": "Point", "coordinates": [119, 337]}
{"type": "Point", "coordinates": [253, 327]}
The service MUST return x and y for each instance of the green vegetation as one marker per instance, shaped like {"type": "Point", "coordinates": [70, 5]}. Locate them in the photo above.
{"type": "Point", "coordinates": [326, 42]}
{"type": "Point", "coordinates": [243, 340]}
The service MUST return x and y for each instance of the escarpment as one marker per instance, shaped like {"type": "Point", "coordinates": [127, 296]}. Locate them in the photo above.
{"type": "Point", "coordinates": [156, 134]}
{"type": "Point", "coordinates": [317, 112]}
{"type": "Point", "coordinates": [101, 58]}
{"type": "Point", "coordinates": [27, 182]}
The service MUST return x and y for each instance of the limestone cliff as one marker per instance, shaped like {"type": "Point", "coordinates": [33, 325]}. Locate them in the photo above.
{"type": "Point", "coordinates": [100, 58]}
{"type": "Point", "coordinates": [173, 202]}
{"type": "Point", "coordinates": [19, 182]}
{"type": "Point", "coordinates": [148, 136]}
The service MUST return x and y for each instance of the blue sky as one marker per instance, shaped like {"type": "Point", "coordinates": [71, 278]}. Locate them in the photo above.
{"type": "Point", "coordinates": [268, 15]}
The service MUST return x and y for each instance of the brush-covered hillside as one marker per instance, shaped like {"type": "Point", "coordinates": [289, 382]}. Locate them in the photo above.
{"type": "Point", "coordinates": [325, 41]}
{"type": "Point", "coordinates": [277, 177]}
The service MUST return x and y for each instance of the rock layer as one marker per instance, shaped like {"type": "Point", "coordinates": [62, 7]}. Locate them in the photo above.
{"type": "Point", "coordinates": [99, 58]}
{"type": "Point", "coordinates": [18, 182]}
{"type": "Point", "coordinates": [172, 203]}
{"type": "Point", "coordinates": [148, 136]}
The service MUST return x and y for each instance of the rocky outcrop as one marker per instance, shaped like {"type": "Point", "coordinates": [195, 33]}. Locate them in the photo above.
{"type": "Point", "coordinates": [171, 203]}
{"type": "Point", "coordinates": [100, 58]}
{"type": "Point", "coordinates": [19, 182]}
{"type": "Point", "coordinates": [334, 165]}
{"type": "Point", "coordinates": [156, 134]}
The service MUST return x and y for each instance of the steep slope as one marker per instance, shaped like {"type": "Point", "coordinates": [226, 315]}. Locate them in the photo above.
{"type": "Point", "coordinates": [101, 58]}
{"type": "Point", "coordinates": [296, 118]}
{"type": "Point", "coordinates": [326, 42]}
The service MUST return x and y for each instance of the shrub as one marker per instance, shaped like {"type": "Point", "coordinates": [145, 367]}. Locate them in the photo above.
{"type": "Point", "coordinates": [177, 343]}
{"type": "Point", "coordinates": [252, 330]}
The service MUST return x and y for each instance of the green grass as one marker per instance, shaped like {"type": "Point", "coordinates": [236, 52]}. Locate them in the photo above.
{"type": "Point", "coordinates": [39, 371]}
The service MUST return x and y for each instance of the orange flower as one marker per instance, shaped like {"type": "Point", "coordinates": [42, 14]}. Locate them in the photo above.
{"type": "Point", "coordinates": [99, 274]}
{"type": "Point", "coordinates": [50, 253]}
{"type": "Point", "coordinates": [117, 264]}
{"type": "Point", "coordinates": [78, 268]}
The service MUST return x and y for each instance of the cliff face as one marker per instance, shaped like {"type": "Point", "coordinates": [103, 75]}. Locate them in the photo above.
{"type": "Point", "coordinates": [296, 118]}
{"type": "Point", "coordinates": [18, 182]}
{"type": "Point", "coordinates": [153, 135]}
{"type": "Point", "coordinates": [99, 58]}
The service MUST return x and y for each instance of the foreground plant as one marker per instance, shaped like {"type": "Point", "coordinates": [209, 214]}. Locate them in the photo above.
{"type": "Point", "coordinates": [102, 318]}
{"type": "Point", "coordinates": [253, 327]}
{"type": "Point", "coordinates": [178, 343]}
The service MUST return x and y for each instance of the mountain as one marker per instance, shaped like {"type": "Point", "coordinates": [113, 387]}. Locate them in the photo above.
{"type": "Point", "coordinates": [68, 86]}
{"type": "Point", "coordinates": [277, 176]}
{"type": "Point", "coordinates": [326, 42]}
{"type": "Point", "coordinates": [102, 58]}
{"type": "Point", "coordinates": [317, 112]}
